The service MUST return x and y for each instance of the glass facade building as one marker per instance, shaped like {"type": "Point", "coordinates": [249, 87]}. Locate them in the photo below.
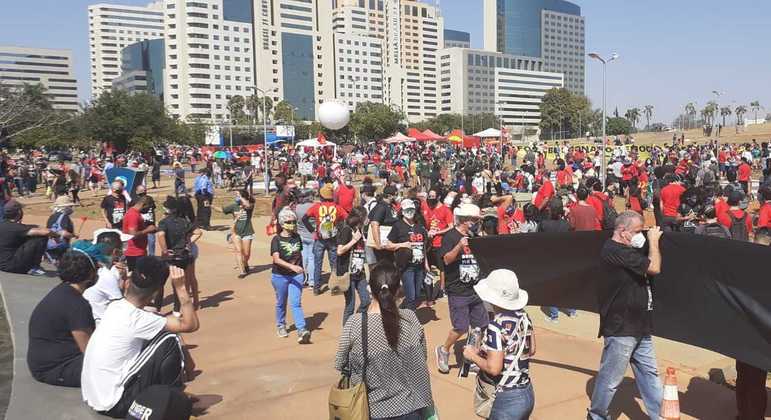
{"type": "Point", "coordinates": [146, 57]}
{"type": "Point", "coordinates": [237, 10]}
{"type": "Point", "coordinates": [459, 39]}
{"type": "Point", "coordinates": [297, 69]}
{"type": "Point", "coordinates": [519, 24]}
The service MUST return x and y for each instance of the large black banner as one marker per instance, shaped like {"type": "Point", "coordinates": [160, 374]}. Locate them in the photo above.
{"type": "Point", "coordinates": [711, 293]}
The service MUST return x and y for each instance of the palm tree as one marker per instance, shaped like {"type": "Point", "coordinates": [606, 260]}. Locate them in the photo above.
{"type": "Point", "coordinates": [724, 112]}
{"type": "Point", "coordinates": [740, 111]}
{"type": "Point", "coordinates": [648, 112]}
{"type": "Point", "coordinates": [632, 115]}
{"type": "Point", "coordinates": [236, 107]}
{"type": "Point", "coordinates": [755, 105]}
{"type": "Point", "coordinates": [690, 110]}
{"type": "Point", "coordinates": [712, 109]}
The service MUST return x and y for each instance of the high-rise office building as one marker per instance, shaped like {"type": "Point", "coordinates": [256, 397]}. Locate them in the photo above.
{"type": "Point", "coordinates": [112, 27]}
{"type": "Point", "coordinates": [142, 68]}
{"type": "Point", "coordinates": [456, 39]}
{"type": "Point", "coordinates": [509, 86]}
{"type": "Point", "coordinates": [359, 51]}
{"type": "Point", "coordinates": [209, 57]}
{"type": "Point", "coordinates": [550, 29]}
{"type": "Point", "coordinates": [293, 49]}
{"type": "Point", "coordinates": [48, 67]}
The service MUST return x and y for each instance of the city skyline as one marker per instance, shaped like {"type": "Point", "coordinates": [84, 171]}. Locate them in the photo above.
{"type": "Point", "coordinates": [684, 40]}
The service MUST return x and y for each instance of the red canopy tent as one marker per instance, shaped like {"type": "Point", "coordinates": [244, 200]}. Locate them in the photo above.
{"type": "Point", "coordinates": [417, 135]}
{"type": "Point", "coordinates": [432, 136]}
{"type": "Point", "coordinates": [456, 136]}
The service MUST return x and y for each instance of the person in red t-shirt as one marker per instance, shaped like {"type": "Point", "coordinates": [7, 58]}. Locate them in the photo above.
{"type": "Point", "coordinates": [545, 193]}
{"type": "Point", "coordinates": [743, 174]}
{"type": "Point", "coordinates": [345, 194]}
{"type": "Point", "coordinates": [439, 220]}
{"type": "Point", "coordinates": [583, 216]}
{"type": "Point", "coordinates": [328, 216]}
{"type": "Point", "coordinates": [764, 214]}
{"type": "Point", "coordinates": [134, 224]}
{"type": "Point", "coordinates": [670, 203]}
{"type": "Point", "coordinates": [509, 216]}
{"type": "Point", "coordinates": [721, 206]}
{"type": "Point", "coordinates": [725, 219]}
{"type": "Point", "coordinates": [596, 199]}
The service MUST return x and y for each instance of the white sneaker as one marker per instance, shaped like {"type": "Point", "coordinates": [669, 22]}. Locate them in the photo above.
{"type": "Point", "coordinates": [37, 271]}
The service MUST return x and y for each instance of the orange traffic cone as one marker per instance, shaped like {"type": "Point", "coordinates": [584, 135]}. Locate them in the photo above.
{"type": "Point", "coordinates": [670, 406]}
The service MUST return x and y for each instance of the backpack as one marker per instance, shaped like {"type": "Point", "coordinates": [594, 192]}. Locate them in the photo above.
{"type": "Point", "coordinates": [738, 227]}
{"type": "Point", "coordinates": [713, 229]}
{"type": "Point", "coordinates": [328, 221]}
{"type": "Point", "coordinates": [708, 179]}
{"type": "Point", "coordinates": [609, 214]}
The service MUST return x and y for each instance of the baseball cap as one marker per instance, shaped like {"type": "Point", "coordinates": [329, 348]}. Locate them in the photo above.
{"type": "Point", "coordinates": [467, 210]}
{"type": "Point", "coordinates": [408, 204]}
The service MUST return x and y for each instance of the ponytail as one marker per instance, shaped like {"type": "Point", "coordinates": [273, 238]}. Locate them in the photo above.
{"type": "Point", "coordinates": [384, 283]}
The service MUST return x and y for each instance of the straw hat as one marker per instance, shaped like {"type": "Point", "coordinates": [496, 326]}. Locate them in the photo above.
{"type": "Point", "coordinates": [501, 288]}
{"type": "Point", "coordinates": [63, 201]}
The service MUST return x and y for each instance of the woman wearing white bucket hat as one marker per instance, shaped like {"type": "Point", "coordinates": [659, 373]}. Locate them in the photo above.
{"type": "Point", "coordinates": [504, 386]}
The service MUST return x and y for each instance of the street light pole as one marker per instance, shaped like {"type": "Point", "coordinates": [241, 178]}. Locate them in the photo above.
{"type": "Point", "coordinates": [715, 118]}
{"type": "Point", "coordinates": [604, 62]}
{"type": "Point", "coordinates": [266, 173]}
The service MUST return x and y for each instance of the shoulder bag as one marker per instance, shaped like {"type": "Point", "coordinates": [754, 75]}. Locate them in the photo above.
{"type": "Point", "coordinates": [348, 402]}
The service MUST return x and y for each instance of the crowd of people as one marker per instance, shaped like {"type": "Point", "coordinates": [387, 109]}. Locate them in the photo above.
{"type": "Point", "coordinates": [394, 222]}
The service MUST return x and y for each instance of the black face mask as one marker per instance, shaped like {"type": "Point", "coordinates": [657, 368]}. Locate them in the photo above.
{"type": "Point", "coordinates": [432, 202]}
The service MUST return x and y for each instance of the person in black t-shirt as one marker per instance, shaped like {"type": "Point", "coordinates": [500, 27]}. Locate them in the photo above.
{"type": "Point", "coordinates": [22, 246]}
{"type": "Point", "coordinates": [555, 222]}
{"type": "Point", "coordinates": [287, 276]}
{"type": "Point", "coordinates": [406, 234]}
{"type": "Point", "coordinates": [174, 240]}
{"type": "Point", "coordinates": [61, 324]}
{"type": "Point", "coordinates": [114, 207]}
{"type": "Point", "coordinates": [351, 259]}
{"type": "Point", "coordinates": [626, 315]}
{"type": "Point", "coordinates": [461, 273]}
{"type": "Point", "coordinates": [381, 218]}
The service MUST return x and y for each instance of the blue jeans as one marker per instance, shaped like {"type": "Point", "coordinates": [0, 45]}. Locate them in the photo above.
{"type": "Point", "coordinates": [412, 282]}
{"type": "Point", "coordinates": [359, 284]}
{"type": "Point", "coordinates": [415, 415]}
{"type": "Point", "coordinates": [513, 404]}
{"type": "Point", "coordinates": [151, 244]}
{"type": "Point", "coordinates": [617, 354]}
{"type": "Point", "coordinates": [289, 287]}
{"type": "Point", "coordinates": [554, 312]}
{"type": "Point", "coordinates": [321, 245]}
{"type": "Point", "coordinates": [308, 259]}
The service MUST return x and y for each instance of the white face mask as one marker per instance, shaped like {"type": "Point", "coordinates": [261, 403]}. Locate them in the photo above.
{"type": "Point", "coordinates": [637, 241]}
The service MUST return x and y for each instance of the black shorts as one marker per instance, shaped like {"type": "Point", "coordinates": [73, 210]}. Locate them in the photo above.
{"type": "Point", "coordinates": [435, 259]}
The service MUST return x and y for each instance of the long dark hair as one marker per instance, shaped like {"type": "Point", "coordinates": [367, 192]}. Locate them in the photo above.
{"type": "Point", "coordinates": [384, 283]}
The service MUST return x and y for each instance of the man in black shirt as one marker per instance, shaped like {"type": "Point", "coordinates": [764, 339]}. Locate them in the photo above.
{"type": "Point", "coordinates": [114, 207]}
{"type": "Point", "coordinates": [626, 316]}
{"type": "Point", "coordinates": [461, 273]}
{"type": "Point", "coordinates": [61, 324]}
{"type": "Point", "coordinates": [382, 215]}
{"type": "Point", "coordinates": [22, 246]}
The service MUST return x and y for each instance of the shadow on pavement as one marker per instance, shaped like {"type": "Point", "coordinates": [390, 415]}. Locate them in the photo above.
{"type": "Point", "coordinates": [426, 315]}
{"type": "Point", "coordinates": [314, 322]}
{"type": "Point", "coordinates": [214, 300]}
{"type": "Point", "coordinates": [204, 402]}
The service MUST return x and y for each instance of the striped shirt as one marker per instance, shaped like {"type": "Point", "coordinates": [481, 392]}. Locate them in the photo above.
{"type": "Point", "coordinates": [510, 332]}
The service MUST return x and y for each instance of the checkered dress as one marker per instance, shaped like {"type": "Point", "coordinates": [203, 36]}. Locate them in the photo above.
{"type": "Point", "coordinates": [397, 381]}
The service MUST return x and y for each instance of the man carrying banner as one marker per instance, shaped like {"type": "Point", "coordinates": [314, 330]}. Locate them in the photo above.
{"type": "Point", "coordinates": [626, 316]}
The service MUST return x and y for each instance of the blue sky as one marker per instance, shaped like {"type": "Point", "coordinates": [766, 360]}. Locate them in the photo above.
{"type": "Point", "coordinates": [672, 52]}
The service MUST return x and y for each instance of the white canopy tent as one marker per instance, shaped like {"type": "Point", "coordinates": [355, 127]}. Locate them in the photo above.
{"type": "Point", "coordinates": [399, 138]}
{"type": "Point", "coordinates": [490, 132]}
{"type": "Point", "coordinates": [314, 142]}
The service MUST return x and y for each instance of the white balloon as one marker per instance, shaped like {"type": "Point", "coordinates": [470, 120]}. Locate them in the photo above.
{"type": "Point", "coordinates": [334, 115]}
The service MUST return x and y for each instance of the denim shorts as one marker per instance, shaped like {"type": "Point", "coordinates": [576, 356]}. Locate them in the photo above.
{"type": "Point", "coordinates": [465, 311]}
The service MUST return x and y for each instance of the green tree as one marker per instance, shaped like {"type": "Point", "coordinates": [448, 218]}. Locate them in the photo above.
{"type": "Point", "coordinates": [283, 112]}
{"type": "Point", "coordinates": [690, 111]}
{"type": "Point", "coordinates": [132, 122]}
{"type": "Point", "coordinates": [566, 113]}
{"type": "Point", "coordinates": [375, 121]}
{"type": "Point", "coordinates": [254, 105]}
{"type": "Point", "coordinates": [618, 125]}
{"type": "Point", "coordinates": [633, 115]}
{"type": "Point", "coordinates": [724, 112]}
{"type": "Point", "coordinates": [740, 111]}
{"type": "Point", "coordinates": [648, 112]}
{"type": "Point", "coordinates": [235, 107]}
{"type": "Point", "coordinates": [755, 106]}
{"type": "Point", "coordinates": [26, 110]}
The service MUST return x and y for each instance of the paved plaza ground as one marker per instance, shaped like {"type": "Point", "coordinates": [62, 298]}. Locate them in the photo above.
{"type": "Point", "coordinates": [246, 372]}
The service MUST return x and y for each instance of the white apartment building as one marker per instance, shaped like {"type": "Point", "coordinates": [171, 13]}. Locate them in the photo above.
{"type": "Point", "coordinates": [359, 51]}
{"type": "Point", "coordinates": [478, 81]}
{"type": "Point", "coordinates": [209, 56]}
{"type": "Point", "coordinates": [48, 67]}
{"type": "Point", "coordinates": [422, 35]}
{"type": "Point", "coordinates": [113, 27]}
{"type": "Point", "coordinates": [294, 52]}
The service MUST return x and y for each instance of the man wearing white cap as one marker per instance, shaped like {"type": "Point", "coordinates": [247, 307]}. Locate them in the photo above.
{"type": "Point", "coordinates": [461, 274]}
{"type": "Point", "coordinates": [507, 346]}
